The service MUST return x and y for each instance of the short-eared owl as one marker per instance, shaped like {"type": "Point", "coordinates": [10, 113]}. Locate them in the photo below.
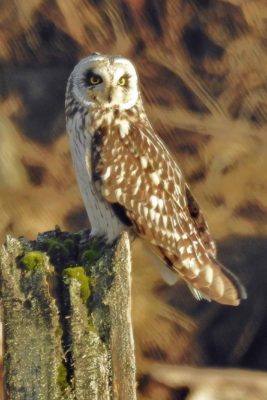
{"type": "Point", "coordinates": [128, 178]}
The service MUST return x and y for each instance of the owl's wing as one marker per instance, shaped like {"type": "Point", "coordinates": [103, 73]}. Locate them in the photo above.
{"type": "Point", "coordinates": [200, 223]}
{"type": "Point", "coordinates": [137, 173]}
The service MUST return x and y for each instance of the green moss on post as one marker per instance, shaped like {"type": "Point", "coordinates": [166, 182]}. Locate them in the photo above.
{"type": "Point", "coordinates": [62, 377]}
{"type": "Point", "coordinates": [90, 256]}
{"type": "Point", "coordinates": [78, 273]}
{"type": "Point", "coordinates": [33, 260]}
{"type": "Point", "coordinates": [66, 323]}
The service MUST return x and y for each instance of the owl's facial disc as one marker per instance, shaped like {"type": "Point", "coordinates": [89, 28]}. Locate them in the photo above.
{"type": "Point", "coordinates": [107, 82]}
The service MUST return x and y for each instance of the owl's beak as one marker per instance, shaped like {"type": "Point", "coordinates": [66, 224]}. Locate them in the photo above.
{"type": "Point", "coordinates": [110, 95]}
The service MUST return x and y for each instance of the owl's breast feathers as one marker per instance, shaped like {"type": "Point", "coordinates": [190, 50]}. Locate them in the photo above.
{"type": "Point", "coordinates": [137, 173]}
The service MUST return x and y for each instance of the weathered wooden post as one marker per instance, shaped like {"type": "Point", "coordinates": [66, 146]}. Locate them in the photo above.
{"type": "Point", "coordinates": [67, 318]}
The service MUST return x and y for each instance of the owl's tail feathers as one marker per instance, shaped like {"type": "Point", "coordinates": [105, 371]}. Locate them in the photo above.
{"type": "Point", "coordinates": [220, 285]}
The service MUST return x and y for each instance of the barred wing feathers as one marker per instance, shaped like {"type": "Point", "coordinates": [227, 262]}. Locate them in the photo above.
{"type": "Point", "coordinates": [137, 171]}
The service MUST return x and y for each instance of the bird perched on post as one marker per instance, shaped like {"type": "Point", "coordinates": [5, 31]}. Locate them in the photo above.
{"type": "Point", "coordinates": [128, 178]}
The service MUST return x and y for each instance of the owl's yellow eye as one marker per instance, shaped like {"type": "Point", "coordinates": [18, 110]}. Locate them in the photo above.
{"type": "Point", "coordinates": [95, 80]}
{"type": "Point", "coordinates": [123, 81]}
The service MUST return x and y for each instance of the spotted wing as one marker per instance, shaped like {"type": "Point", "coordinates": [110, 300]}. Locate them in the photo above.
{"type": "Point", "coordinates": [138, 173]}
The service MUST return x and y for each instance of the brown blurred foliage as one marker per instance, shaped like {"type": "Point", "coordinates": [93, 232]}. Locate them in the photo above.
{"type": "Point", "coordinates": [203, 71]}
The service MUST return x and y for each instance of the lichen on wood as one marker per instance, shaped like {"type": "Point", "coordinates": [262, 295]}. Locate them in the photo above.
{"type": "Point", "coordinates": [67, 320]}
{"type": "Point", "coordinates": [32, 348]}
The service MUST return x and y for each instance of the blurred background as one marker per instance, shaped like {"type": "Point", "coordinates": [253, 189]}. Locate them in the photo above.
{"type": "Point", "coordinates": [203, 72]}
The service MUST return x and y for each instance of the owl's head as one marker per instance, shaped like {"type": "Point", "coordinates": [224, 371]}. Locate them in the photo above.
{"type": "Point", "coordinates": [105, 81]}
